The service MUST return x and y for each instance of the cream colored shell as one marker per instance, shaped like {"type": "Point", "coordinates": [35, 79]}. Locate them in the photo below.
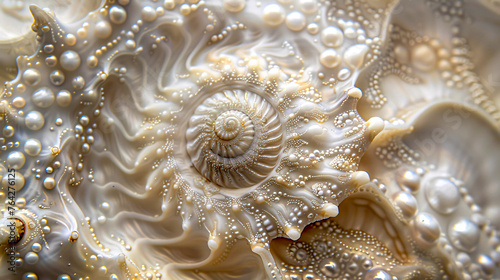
{"type": "Point", "coordinates": [232, 139]}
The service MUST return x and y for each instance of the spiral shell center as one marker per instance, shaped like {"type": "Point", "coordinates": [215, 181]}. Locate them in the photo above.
{"type": "Point", "coordinates": [229, 124]}
{"type": "Point", "coordinates": [234, 138]}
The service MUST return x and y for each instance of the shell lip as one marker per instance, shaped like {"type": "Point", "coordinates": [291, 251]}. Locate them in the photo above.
{"type": "Point", "coordinates": [367, 204]}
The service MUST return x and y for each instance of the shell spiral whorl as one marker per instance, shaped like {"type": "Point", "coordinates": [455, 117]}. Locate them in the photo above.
{"type": "Point", "coordinates": [234, 138]}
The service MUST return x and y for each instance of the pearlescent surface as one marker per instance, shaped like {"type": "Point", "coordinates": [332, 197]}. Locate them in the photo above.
{"type": "Point", "coordinates": [234, 139]}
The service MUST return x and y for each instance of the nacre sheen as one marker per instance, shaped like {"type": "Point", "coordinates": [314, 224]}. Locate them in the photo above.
{"type": "Point", "coordinates": [233, 139]}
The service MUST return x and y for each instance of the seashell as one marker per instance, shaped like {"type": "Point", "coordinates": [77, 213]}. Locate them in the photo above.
{"type": "Point", "coordinates": [19, 229]}
{"type": "Point", "coordinates": [249, 140]}
{"type": "Point", "coordinates": [234, 138]}
{"type": "Point", "coordinates": [14, 225]}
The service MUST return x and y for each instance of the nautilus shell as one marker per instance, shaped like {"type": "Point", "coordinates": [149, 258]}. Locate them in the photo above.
{"type": "Point", "coordinates": [233, 139]}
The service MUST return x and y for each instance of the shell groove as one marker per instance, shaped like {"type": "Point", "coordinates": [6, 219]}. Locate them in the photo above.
{"type": "Point", "coordinates": [224, 140]}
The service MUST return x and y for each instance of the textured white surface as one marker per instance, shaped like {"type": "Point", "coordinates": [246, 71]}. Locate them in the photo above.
{"type": "Point", "coordinates": [241, 139]}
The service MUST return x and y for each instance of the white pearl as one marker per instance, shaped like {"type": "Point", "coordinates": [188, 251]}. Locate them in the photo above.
{"type": "Point", "coordinates": [70, 39]}
{"type": "Point", "coordinates": [169, 4]}
{"type": "Point", "coordinates": [427, 227]}
{"type": "Point", "coordinates": [32, 147]}
{"type": "Point", "coordinates": [407, 203]}
{"type": "Point", "coordinates": [70, 60]}
{"type": "Point", "coordinates": [330, 58]}
{"type": "Point", "coordinates": [344, 74]}
{"type": "Point", "coordinates": [234, 6]}
{"type": "Point", "coordinates": [442, 195]}
{"type": "Point", "coordinates": [34, 120]}
{"type": "Point", "coordinates": [18, 181]}
{"type": "Point", "coordinates": [402, 54]}
{"type": "Point", "coordinates": [57, 78]}
{"type": "Point", "coordinates": [130, 44]}
{"type": "Point", "coordinates": [92, 61]}
{"type": "Point", "coordinates": [423, 57]}
{"type": "Point", "coordinates": [43, 97]}
{"type": "Point", "coordinates": [16, 160]}
{"type": "Point", "coordinates": [36, 247]}
{"type": "Point", "coordinates": [31, 76]}
{"type": "Point", "coordinates": [185, 9]}
{"type": "Point", "coordinates": [117, 15]}
{"type": "Point", "coordinates": [350, 33]}
{"type": "Point", "coordinates": [8, 131]}
{"type": "Point", "coordinates": [313, 28]}
{"type": "Point", "coordinates": [464, 235]}
{"type": "Point", "coordinates": [354, 55]}
{"type": "Point", "coordinates": [332, 37]}
{"type": "Point", "coordinates": [148, 13]}
{"type": "Point", "coordinates": [308, 6]}
{"type": "Point", "coordinates": [78, 82]}
{"type": "Point", "coordinates": [18, 102]}
{"type": "Point", "coordinates": [273, 15]}
{"type": "Point", "coordinates": [296, 21]}
{"type": "Point", "coordinates": [487, 264]}
{"type": "Point", "coordinates": [31, 258]}
{"type": "Point", "coordinates": [103, 29]}
{"type": "Point", "coordinates": [411, 180]}
{"type": "Point", "coordinates": [49, 183]}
